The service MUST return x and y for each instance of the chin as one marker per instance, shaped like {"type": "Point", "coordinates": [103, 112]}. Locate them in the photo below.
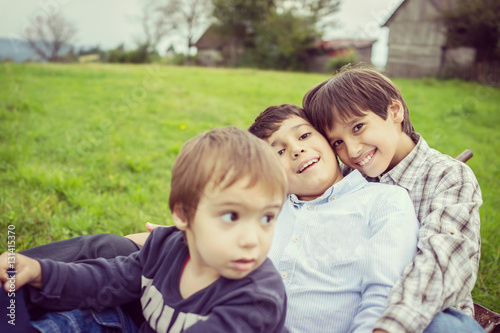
{"type": "Point", "coordinates": [375, 173]}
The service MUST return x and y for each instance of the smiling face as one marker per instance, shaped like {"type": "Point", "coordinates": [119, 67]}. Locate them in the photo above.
{"type": "Point", "coordinates": [369, 143]}
{"type": "Point", "coordinates": [308, 159]}
{"type": "Point", "coordinates": [232, 229]}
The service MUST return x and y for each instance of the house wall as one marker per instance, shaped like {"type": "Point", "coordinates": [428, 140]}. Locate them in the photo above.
{"type": "Point", "coordinates": [416, 40]}
{"type": "Point", "coordinates": [365, 54]}
{"type": "Point", "coordinates": [210, 58]}
{"type": "Point", "coordinates": [317, 63]}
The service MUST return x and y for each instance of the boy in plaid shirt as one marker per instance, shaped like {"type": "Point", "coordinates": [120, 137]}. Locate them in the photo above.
{"type": "Point", "coordinates": [364, 117]}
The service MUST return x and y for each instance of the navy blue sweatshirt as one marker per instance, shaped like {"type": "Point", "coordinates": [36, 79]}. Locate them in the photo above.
{"type": "Point", "coordinates": [255, 303]}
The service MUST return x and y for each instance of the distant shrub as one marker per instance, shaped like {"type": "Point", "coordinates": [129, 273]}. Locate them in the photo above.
{"type": "Point", "coordinates": [338, 62]}
{"type": "Point", "coordinates": [180, 59]}
{"type": "Point", "coordinates": [138, 56]}
{"type": "Point", "coordinates": [117, 55]}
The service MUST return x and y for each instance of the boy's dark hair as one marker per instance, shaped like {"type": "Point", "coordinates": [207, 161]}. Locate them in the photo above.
{"type": "Point", "coordinates": [218, 158]}
{"type": "Point", "coordinates": [269, 121]}
{"type": "Point", "coordinates": [351, 91]}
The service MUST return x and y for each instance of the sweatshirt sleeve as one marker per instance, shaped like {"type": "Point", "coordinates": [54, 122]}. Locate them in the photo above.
{"type": "Point", "coordinates": [95, 283]}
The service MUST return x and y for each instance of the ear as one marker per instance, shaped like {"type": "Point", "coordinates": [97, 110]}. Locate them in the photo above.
{"type": "Point", "coordinates": [395, 111]}
{"type": "Point", "coordinates": [179, 220]}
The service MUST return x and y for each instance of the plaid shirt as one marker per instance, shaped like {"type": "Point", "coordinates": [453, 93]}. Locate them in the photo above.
{"type": "Point", "coordinates": [446, 197]}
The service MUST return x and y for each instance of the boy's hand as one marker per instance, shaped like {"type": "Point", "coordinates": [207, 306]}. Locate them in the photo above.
{"type": "Point", "coordinates": [28, 271]}
{"type": "Point", "coordinates": [151, 226]}
{"type": "Point", "coordinates": [140, 238]}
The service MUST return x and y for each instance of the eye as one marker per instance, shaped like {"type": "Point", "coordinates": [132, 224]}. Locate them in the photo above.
{"type": "Point", "coordinates": [357, 127]}
{"type": "Point", "coordinates": [304, 136]}
{"type": "Point", "coordinates": [336, 143]}
{"type": "Point", "coordinates": [281, 151]}
{"type": "Point", "coordinates": [229, 217]}
{"type": "Point", "coordinates": [267, 219]}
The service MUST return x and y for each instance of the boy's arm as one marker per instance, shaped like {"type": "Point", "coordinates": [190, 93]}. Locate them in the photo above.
{"type": "Point", "coordinates": [391, 246]}
{"type": "Point", "coordinates": [94, 283]}
{"type": "Point", "coordinates": [445, 268]}
{"type": "Point", "coordinates": [98, 283]}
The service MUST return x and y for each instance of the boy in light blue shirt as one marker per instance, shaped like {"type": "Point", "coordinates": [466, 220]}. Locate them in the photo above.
{"type": "Point", "coordinates": [341, 243]}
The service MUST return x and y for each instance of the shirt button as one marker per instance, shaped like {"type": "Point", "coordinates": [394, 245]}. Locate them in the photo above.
{"type": "Point", "coordinates": [452, 231]}
{"type": "Point", "coordinates": [284, 275]}
{"type": "Point", "coordinates": [296, 239]}
{"type": "Point", "coordinates": [332, 198]}
{"type": "Point", "coordinates": [310, 207]}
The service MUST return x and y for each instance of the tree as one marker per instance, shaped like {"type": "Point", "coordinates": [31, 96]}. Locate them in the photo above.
{"type": "Point", "coordinates": [273, 33]}
{"type": "Point", "coordinates": [189, 15]}
{"type": "Point", "coordinates": [48, 35]}
{"type": "Point", "coordinates": [314, 10]}
{"type": "Point", "coordinates": [161, 18]}
{"type": "Point", "coordinates": [241, 16]}
{"type": "Point", "coordinates": [282, 41]}
{"type": "Point", "coordinates": [476, 24]}
{"type": "Point", "coordinates": [158, 20]}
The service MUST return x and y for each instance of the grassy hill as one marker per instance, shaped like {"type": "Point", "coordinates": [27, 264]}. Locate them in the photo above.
{"type": "Point", "coordinates": [88, 148]}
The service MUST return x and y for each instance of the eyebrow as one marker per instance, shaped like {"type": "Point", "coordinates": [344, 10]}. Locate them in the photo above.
{"type": "Point", "coordinates": [294, 128]}
{"type": "Point", "coordinates": [237, 204]}
{"type": "Point", "coordinates": [355, 120]}
{"type": "Point", "coordinates": [350, 123]}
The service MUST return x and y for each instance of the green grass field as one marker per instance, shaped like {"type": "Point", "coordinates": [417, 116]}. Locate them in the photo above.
{"type": "Point", "coordinates": [86, 149]}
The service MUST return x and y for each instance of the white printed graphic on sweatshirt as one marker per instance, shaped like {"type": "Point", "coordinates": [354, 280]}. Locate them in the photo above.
{"type": "Point", "coordinates": [159, 316]}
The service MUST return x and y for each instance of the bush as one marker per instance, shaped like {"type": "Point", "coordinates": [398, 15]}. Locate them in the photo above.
{"type": "Point", "coordinates": [338, 62]}
{"type": "Point", "coordinates": [138, 56]}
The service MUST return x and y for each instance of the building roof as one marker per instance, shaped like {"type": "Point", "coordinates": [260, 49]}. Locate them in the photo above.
{"type": "Point", "coordinates": [336, 44]}
{"type": "Point", "coordinates": [439, 4]}
{"type": "Point", "coordinates": [211, 39]}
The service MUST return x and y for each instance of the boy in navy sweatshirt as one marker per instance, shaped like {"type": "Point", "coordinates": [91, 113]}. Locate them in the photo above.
{"type": "Point", "coordinates": [208, 273]}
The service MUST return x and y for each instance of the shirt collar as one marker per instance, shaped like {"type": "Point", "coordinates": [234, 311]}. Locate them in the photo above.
{"type": "Point", "coordinates": [351, 182]}
{"type": "Point", "coordinates": [407, 172]}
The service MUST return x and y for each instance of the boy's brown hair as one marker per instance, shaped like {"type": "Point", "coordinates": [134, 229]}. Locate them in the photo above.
{"type": "Point", "coordinates": [350, 92]}
{"type": "Point", "coordinates": [218, 158]}
{"type": "Point", "coordinates": [269, 121]}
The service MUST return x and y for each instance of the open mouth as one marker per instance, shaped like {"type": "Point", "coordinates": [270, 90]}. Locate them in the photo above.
{"type": "Point", "coordinates": [244, 265]}
{"type": "Point", "coordinates": [367, 158]}
{"type": "Point", "coordinates": [308, 164]}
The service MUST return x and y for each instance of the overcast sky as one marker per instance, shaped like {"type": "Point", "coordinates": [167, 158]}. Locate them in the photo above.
{"type": "Point", "coordinates": [108, 23]}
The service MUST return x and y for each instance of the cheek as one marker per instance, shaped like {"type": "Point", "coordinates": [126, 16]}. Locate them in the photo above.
{"type": "Point", "coordinates": [211, 238]}
{"type": "Point", "coordinates": [286, 167]}
{"type": "Point", "coordinates": [265, 242]}
{"type": "Point", "coordinates": [293, 185]}
{"type": "Point", "coordinates": [267, 237]}
{"type": "Point", "coordinates": [290, 177]}
{"type": "Point", "coordinates": [342, 154]}
{"type": "Point", "coordinates": [215, 250]}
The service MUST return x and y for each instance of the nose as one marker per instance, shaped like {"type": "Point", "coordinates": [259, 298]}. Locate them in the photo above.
{"type": "Point", "coordinates": [249, 235]}
{"type": "Point", "coordinates": [296, 151]}
{"type": "Point", "coordinates": [353, 148]}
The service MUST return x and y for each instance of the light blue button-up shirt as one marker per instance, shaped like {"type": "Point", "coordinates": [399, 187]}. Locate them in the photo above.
{"type": "Point", "coordinates": [340, 254]}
